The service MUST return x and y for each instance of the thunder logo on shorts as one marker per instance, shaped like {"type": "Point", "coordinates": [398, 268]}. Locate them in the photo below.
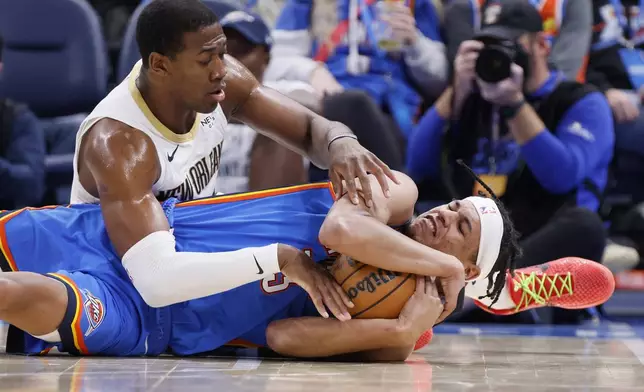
{"type": "Point", "coordinates": [94, 310]}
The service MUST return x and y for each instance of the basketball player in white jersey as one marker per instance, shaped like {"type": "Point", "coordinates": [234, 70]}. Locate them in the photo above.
{"type": "Point", "coordinates": [159, 133]}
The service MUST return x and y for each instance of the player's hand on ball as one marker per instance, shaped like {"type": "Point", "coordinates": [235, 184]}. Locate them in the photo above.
{"type": "Point", "coordinates": [450, 287]}
{"type": "Point", "coordinates": [349, 160]}
{"type": "Point", "coordinates": [422, 309]}
{"type": "Point", "coordinates": [324, 291]}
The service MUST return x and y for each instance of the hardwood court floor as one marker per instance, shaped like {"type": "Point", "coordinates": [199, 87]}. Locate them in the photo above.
{"type": "Point", "coordinates": [461, 358]}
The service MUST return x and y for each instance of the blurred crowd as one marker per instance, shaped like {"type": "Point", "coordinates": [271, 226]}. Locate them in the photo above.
{"type": "Point", "coordinates": [541, 98]}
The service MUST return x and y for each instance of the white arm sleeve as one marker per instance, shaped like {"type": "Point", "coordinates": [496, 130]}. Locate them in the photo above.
{"type": "Point", "coordinates": [164, 276]}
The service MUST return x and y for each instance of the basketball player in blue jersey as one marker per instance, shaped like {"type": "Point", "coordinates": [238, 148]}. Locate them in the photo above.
{"type": "Point", "coordinates": [64, 286]}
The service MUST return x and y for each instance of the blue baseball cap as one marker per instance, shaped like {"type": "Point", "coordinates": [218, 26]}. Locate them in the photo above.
{"type": "Point", "coordinates": [247, 23]}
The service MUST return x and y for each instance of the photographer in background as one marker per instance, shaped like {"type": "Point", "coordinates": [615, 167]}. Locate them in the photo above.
{"type": "Point", "coordinates": [567, 25]}
{"type": "Point", "coordinates": [22, 155]}
{"type": "Point", "coordinates": [542, 143]}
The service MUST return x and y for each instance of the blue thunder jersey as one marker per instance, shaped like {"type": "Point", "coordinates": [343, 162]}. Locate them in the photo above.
{"type": "Point", "coordinates": [106, 315]}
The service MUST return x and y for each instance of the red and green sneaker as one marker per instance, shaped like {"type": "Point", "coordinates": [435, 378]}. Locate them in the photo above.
{"type": "Point", "coordinates": [424, 339]}
{"type": "Point", "coordinates": [568, 283]}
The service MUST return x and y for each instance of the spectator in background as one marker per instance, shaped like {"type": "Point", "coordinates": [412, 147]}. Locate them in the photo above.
{"type": "Point", "coordinates": [22, 155]}
{"type": "Point", "coordinates": [567, 27]}
{"type": "Point", "coordinates": [542, 143]}
{"type": "Point", "coordinates": [391, 50]}
{"type": "Point", "coordinates": [616, 57]}
{"type": "Point", "coordinates": [616, 67]}
{"type": "Point", "coordinates": [250, 161]}
{"type": "Point", "coordinates": [268, 9]}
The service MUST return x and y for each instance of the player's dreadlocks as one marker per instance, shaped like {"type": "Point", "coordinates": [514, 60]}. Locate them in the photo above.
{"type": "Point", "coordinates": [510, 249]}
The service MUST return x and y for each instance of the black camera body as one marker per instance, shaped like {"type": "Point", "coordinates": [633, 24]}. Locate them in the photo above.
{"type": "Point", "coordinates": [495, 59]}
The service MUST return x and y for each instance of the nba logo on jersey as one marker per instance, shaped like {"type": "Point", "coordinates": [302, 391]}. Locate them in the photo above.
{"type": "Point", "coordinates": [94, 310]}
{"type": "Point", "coordinates": [208, 121]}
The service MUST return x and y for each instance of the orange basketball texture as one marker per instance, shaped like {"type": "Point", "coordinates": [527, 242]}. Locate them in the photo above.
{"type": "Point", "coordinates": [376, 293]}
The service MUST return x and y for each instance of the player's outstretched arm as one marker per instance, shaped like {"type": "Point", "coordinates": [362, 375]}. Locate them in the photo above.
{"type": "Point", "coordinates": [359, 340]}
{"type": "Point", "coordinates": [363, 233]}
{"type": "Point", "coordinates": [326, 143]}
{"type": "Point", "coordinates": [123, 164]}
{"type": "Point", "coordinates": [356, 339]}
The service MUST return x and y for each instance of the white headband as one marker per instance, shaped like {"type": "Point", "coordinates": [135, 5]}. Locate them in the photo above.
{"type": "Point", "coordinates": [491, 234]}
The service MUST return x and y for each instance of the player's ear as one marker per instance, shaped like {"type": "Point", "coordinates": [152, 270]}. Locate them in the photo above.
{"type": "Point", "coordinates": [158, 64]}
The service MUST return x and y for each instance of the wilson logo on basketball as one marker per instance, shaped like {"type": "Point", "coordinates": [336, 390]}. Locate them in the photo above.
{"type": "Point", "coordinates": [371, 282]}
{"type": "Point", "coordinates": [375, 292]}
{"type": "Point", "coordinates": [94, 310]}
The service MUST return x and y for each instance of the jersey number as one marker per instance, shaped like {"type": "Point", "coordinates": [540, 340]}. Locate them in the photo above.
{"type": "Point", "coordinates": [279, 282]}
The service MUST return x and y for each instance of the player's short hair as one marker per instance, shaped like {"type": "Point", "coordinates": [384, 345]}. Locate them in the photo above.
{"type": "Point", "coordinates": [510, 248]}
{"type": "Point", "coordinates": [162, 24]}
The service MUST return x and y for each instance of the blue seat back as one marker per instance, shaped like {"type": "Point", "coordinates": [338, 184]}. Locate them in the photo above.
{"type": "Point", "coordinates": [129, 49]}
{"type": "Point", "coordinates": [55, 57]}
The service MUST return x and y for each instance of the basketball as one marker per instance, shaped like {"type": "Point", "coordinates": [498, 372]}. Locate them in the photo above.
{"type": "Point", "coordinates": [376, 293]}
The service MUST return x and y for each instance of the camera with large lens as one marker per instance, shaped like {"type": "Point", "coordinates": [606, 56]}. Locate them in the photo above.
{"type": "Point", "coordinates": [495, 59]}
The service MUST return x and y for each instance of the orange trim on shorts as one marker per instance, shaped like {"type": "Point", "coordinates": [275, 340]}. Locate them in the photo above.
{"type": "Point", "coordinates": [242, 343]}
{"type": "Point", "coordinates": [4, 242]}
{"type": "Point", "coordinates": [77, 332]}
{"type": "Point", "coordinates": [258, 194]}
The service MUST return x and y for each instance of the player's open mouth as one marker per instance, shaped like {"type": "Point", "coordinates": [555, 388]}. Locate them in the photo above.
{"type": "Point", "coordinates": [431, 224]}
{"type": "Point", "coordinates": [218, 95]}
